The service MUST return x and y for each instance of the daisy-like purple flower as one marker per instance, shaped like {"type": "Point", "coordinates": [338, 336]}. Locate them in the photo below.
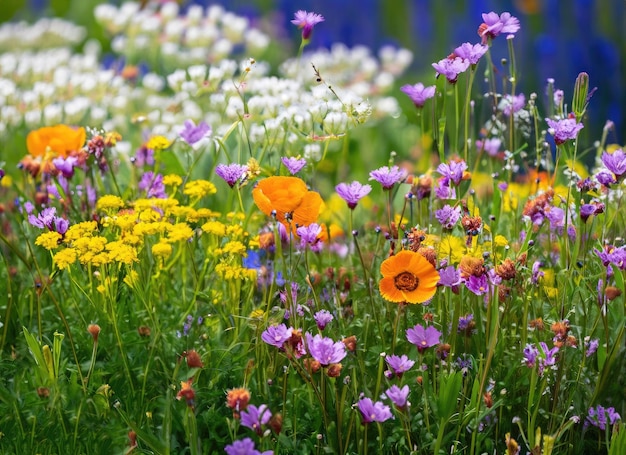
{"type": "Point", "coordinates": [398, 396]}
{"type": "Point", "coordinates": [490, 146]}
{"type": "Point", "coordinates": [306, 21]}
{"type": "Point", "coordinates": [388, 176]}
{"type": "Point", "coordinates": [293, 165]}
{"type": "Point", "coordinates": [448, 216]}
{"type": "Point", "coordinates": [471, 52]}
{"type": "Point", "coordinates": [615, 162]}
{"type": "Point", "coordinates": [254, 418]}
{"type": "Point", "coordinates": [451, 68]}
{"type": "Point", "coordinates": [564, 129]}
{"type": "Point", "coordinates": [353, 192]}
{"type": "Point", "coordinates": [276, 335]}
{"type": "Point", "coordinates": [494, 25]}
{"type": "Point", "coordinates": [231, 173]}
{"type": "Point", "coordinates": [453, 171]}
{"type": "Point", "coordinates": [423, 337]}
{"type": "Point", "coordinates": [325, 350]}
{"type": "Point", "coordinates": [399, 364]}
{"type": "Point", "coordinates": [373, 411]}
{"type": "Point", "coordinates": [322, 319]}
{"type": "Point", "coordinates": [192, 133]}
{"type": "Point", "coordinates": [418, 93]}
{"type": "Point", "coordinates": [244, 447]}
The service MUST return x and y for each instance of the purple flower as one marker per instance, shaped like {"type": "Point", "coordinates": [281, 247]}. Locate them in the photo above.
{"type": "Point", "coordinates": [479, 285]}
{"type": "Point", "coordinates": [591, 346]}
{"type": "Point", "coordinates": [530, 355]}
{"type": "Point", "coordinates": [451, 68]}
{"type": "Point", "coordinates": [322, 318]}
{"type": "Point", "coordinates": [399, 365]}
{"type": "Point", "coordinates": [615, 162]}
{"type": "Point", "coordinates": [564, 129]}
{"type": "Point", "coordinates": [231, 173]}
{"type": "Point", "coordinates": [605, 177]}
{"type": "Point", "coordinates": [254, 418]}
{"type": "Point", "coordinates": [2, 173]}
{"type": "Point", "coordinates": [491, 146]}
{"type": "Point", "coordinates": [556, 216]}
{"type": "Point", "coordinates": [193, 134]}
{"type": "Point", "coordinates": [373, 412]}
{"type": "Point", "coordinates": [586, 210]}
{"type": "Point", "coordinates": [325, 350]}
{"type": "Point", "coordinates": [244, 447]}
{"type": "Point", "coordinates": [276, 335]}
{"type": "Point", "coordinates": [306, 21]}
{"type": "Point", "coordinates": [443, 190]}
{"type": "Point", "coordinates": [61, 225]}
{"type": "Point", "coordinates": [353, 192]}
{"type": "Point", "coordinates": [423, 338]}
{"type": "Point", "coordinates": [465, 323]}
{"type": "Point", "coordinates": [398, 396]}
{"type": "Point", "coordinates": [536, 273]}
{"type": "Point", "coordinates": [418, 93]}
{"type": "Point", "coordinates": [599, 417]}
{"type": "Point", "coordinates": [448, 216]}
{"type": "Point", "coordinates": [309, 236]}
{"type": "Point", "coordinates": [65, 165]}
{"type": "Point", "coordinates": [493, 25]}
{"type": "Point", "coordinates": [512, 104]}
{"type": "Point", "coordinates": [143, 157]}
{"type": "Point", "coordinates": [293, 165]}
{"type": "Point", "coordinates": [153, 185]}
{"type": "Point", "coordinates": [452, 172]}
{"type": "Point", "coordinates": [388, 176]}
{"type": "Point", "coordinates": [450, 277]}
{"type": "Point", "coordinates": [45, 219]}
{"type": "Point", "coordinates": [549, 357]}
{"type": "Point", "coordinates": [471, 52]}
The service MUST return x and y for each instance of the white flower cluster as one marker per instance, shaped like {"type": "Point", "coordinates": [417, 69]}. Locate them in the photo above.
{"type": "Point", "coordinates": [44, 34]}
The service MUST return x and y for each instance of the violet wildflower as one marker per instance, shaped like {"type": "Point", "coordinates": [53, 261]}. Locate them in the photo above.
{"type": "Point", "coordinates": [471, 52]}
{"type": "Point", "coordinates": [309, 235]}
{"type": "Point", "coordinates": [61, 225]}
{"type": "Point", "coordinates": [466, 324]}
{"type": "Point", "coordinates": [254, 418]}
{"type": "Point", "coordinates": [556, 216]}
{"type": "Point", "coordinates": [231, 173]}
{"type": "Point", "coordinates": [143, 157]}
{"type": "Point", "coordinates": [2, 173]}
{"type": "Point", "coordinates": [452, 172]}
{"type": "Point", "coordinates": [388, 176]}
{"type": "Point", "coordinates": [65, 165]}
{"type": "Point", "coordinates": [398, 396]}
{"type": "Point", "coordinates": [353, 192]}
{"type": "Point", "coordinates": [322, 319]}
{"type": "Point", "coordinates": [512, 104]}
{"type": "Point", "coordinates": [448, 216]}
{"type": "Point", "coordinates": [536, 273]}
{"type": "Point", "coordinates": [306, 21]}
{"type": "Point", "coordinates": [443, 190]}
{"type": "Point", "coordinates": [479, 285]}
{"type": "Point", "coordinates": [293, 165]}
{"type": "Point", "coordinates": [418, 93]}
{"type": "Point", "coordinates": [615, 162]}
{"type": "Point", "coordinates": [192, 134]}
{"type": "Point", "coordinates": [152, 185]}
{"type": "Point", "coordinates": [423, 338]}
{"type": "Point", "coordinates": [45, 219]}
{"type": "Point", "coordinates": [276, 335]}
{"type": "Point", "coordinates": [599, 417]}
{"type": "Point", "coordinates": [491, 146]}
{"type": "Point", "coordinates": [549, 357]}
{"type": "Point", "coordinates": [530, 355]}
{"type": "Point", "coordinates": [244, 447]}
{"type": "Point", "coordinates": [591, 346]}
{"type": "Point", "coordinates": [494, 24]}
{"type": "Point", "coordinates": [605, 177]}
{"type": "Point", "coordinates": [399, 364]}
{"type": "Point", "coordinates": [373, 412]}
{"type": "Point", "coordinates": [450, 277]}
{"type": "Point", "coordinates": [451, 68]}
{"type": "Point", "coordinates": [586, 210]}
{"type": "Point", "coordinates": [564, 129]}
{"type": "Point", "coordinates": [325, 350]}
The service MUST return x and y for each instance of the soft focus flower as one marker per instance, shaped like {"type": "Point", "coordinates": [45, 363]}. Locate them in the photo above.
{"type": "Point", "coordinates": [564, 129]}
{"type": "Point", "coordinates": [289, 200]}
{"type": "Point", "coordinates": [398, 396]}
{"type": "Point", "coordinates": [423, 338]}
{"type": "Point", "coordinates": [399, 364]}
{"type": "Point", "coordinates": [237, 399]}
{"type": "Point", "coordinates": [244, 447]}
{"type": "Point", "coordinates": [493, 25]}
{"type": "Point", "coordinates": [408, 277]}
{"type": "Point", "coordinates": [255, 417]}
{"type": "Point", "coordinates": [353, 192]}
{"type": "Point", "coordinates": [322, 318]}
{"type": "Point", "coordinates": [231, 173]}
{"type": "Point", "coordinates": [59, 139]}
{"type": "Point", "coordinates": [615, 162]}
{"type": "Point", "coordinates": [306, 21]}
{"type": "Point", "coordinates": [471, 52]}
{"type": "Point", "coordinates": [600, 416]}
{"type": "Point", "coordinates": [388, 176]}
{"type": "Point", "coordinates": [512, 104]}
{"type": "Point", "coordinates": [451, 68]}
{"type": "Point", "coordinates": [591, 346]}
{"type": "Point", "coordinates": [373, 412]}
{"type": "Point", "coordinates": [325, 350]}
{"type": "Point", "coordinates": [491, 146]}
{"type": "Point", "coordinates": [293, 165]}
{"type": "Point", "coordinates": [276, 335]}
{"type": "Point", "coordinates": [309, 235]}
{"type": "Point", "coordinates": [453, 171]}
{"type": "Point", "coordinates": [192, 133]}
{"type": "Point", "coordinates": [418, 93]}
{"type": "Point", "coordinates": [450, 277]}
{"type": "Point", "coordinates": [448, 216]}
{"type": "Point", "coordinates": [187, 392]}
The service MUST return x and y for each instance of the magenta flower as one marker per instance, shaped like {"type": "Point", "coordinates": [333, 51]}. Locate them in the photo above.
{"type": "Point", "coordinates": [471, 52]}
{"type": "Point", "coordinates": [494, 25]}
{"type": "Point", "coordinates": [400, 364]}
{"type": "Point", "coordinates": [353, 192]}
{"type": "Point", "coordinates": [398, 396]}
{"type": "Point", "coordinates": [276, 335]}
{"type": "Point", "coordinates": [293, 165]}
{"type": "Point", "coordinates": [564, 129]}
{"type": "Point", "coordinates": [244, 447]}
{"type": "Point", "coordinates": [491, 146]}
{"type": "Point", "coordinates": [325, 350]}
{"type": "Point", "coordinates": [418, 93]}
{"type": "Point", "coordinates": [254, 418]}
{"type": "Point", "coordinates": [231, 173]}
{"type": "Point", "coordinates": [479, 285]}
{"type": "Point", "coordinates": [615, 162]}
{"type": "Point", "coordinates": [306, 21]}
{"type": "Point", "coordinates": [48, 219]}
{"type": "Point", "coordinates": [448, 216]}
{"type": "Point", "coordinates": [388, 176]}
{"type": "Point", "coordinates": [423, 338]}
{"type": "Point", "coordinates": [65, 165]}
{"type": "Point", "coordinates": [322, 319]}
{"type": "Point", "coordinates": [192, 133]}
{"type": "Point", "coordinates": [373, 412]}
{"type": "Point", "coordinates": [451, 68]}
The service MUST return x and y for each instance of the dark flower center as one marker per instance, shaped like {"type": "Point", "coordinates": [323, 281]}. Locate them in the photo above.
{"type": "Point", "coordinates": [406, 281]}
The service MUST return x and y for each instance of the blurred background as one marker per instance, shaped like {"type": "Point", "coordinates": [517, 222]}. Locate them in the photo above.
{"type": "Point", "coordinates": [558, 38]}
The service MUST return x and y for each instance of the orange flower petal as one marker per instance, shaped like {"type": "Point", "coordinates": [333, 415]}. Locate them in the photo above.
{"type": "Point", "coordinates": [408, 262]}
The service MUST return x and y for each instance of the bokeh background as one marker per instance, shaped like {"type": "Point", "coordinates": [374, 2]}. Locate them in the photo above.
{"type": "Point", "coordinates": [558, 39]}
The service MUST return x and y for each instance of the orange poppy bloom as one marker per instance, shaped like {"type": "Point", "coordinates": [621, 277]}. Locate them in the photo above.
{"type": "Point", "coordinates": [408, 277]}
{"type": "Point", "coordinates": [59, 139]}
{"type": "Point", "coordinates": [289, 200]}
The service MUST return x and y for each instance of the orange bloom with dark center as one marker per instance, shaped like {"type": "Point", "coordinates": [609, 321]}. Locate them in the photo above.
{"type": "Point", "coordinates": [289, 200]}
{"type": "Point", "coordinates": [59, 139]}
{"type": "Point", "coordinates": [408, 277]}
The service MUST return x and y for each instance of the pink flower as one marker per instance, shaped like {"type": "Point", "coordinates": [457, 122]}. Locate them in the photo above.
{"type": "Point", "coordinates": [418, 93]}
{"type": "Point", "coordinates": [451, 67]}
{"type": "Point", "coordinates": [564, 129]}
{"type": "Point", "coordinates": [493, 25]}
{"type": "Point", "coordinates": [306, 21]}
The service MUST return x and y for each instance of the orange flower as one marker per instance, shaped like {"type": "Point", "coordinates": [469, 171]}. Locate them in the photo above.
{"type": "Point", "coordinates": [289, 199]}
{"type": "Point", "coordinates": [408, 277]}
{"type": "Point", "coordinates": [59, 139]}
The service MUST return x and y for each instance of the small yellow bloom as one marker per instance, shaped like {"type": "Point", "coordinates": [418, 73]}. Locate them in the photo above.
{"type": "Point", "coordinates": [158, 143]}
{"type": "Point", "coordinates": [214, 227]}
{"type": "Point", "coordinates": [131, 279]}
{"type": "Point", "coordinates": [235, 248]}
{"type": "Point", "coordinates": [80, 230]}
{"type": "Point", "coordinates": [199, 188]}
{"type": "Point", "coordinates": [172, 180]}
{"type": "Point", "coordinates": [122, 252]}
{"type": "Point", "coordinates": [180, 232]}
{"type": "Point", "coordinates": [109, 202]}
{"type": "Point", "coordinates": [64, 258]}
{"type": "Point", "coordinates": [49, 240]}
{"type": "Point", "coordinates": [162, 249]}
{"type": "Point", "coordinates": [500, 240]}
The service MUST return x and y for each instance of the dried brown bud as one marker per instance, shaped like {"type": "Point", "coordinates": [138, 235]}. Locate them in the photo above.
{"type": "Point", "coordinates": [350, 343]}
{"type": "Point", "coordinates": [612, 292]}
{"type": "Point", "coordinates": [312, 365]}
{"type": "Point", "coordinates": [144, 331]}
{"type": "Point", "coordinates": [94, 330]}
{"type": "Point", "coordinates": [43, 392]}
{"type": "Point", "coordinates": [276, 423]}
{"type": "Point", "coordinates": [334, 370]}
{"type": "Point", "coordinates": [193, 359]}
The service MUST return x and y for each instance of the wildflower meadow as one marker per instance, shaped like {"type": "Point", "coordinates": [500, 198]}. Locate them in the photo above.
{"type": "Point", "coordinates": [207, 250]}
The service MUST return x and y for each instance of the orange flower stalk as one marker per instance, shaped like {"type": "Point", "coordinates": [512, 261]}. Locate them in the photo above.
{"type": "Point", "coordinates": [408, 277]}
{"type": "Point", "coordinates": [59, 139]}
{"type": "Point", "coordinates": [289, 200]}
